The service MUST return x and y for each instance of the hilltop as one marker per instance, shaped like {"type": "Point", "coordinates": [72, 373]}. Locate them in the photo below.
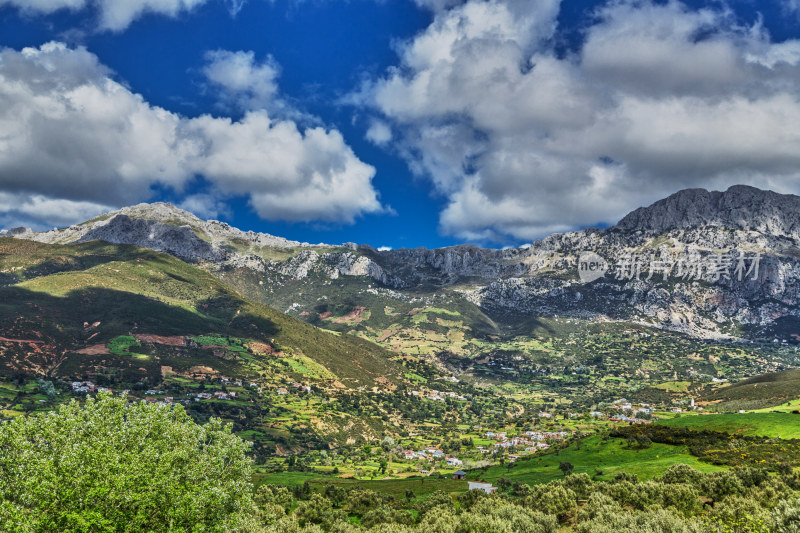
{"type": "Point", "coordinates": [741, 207]}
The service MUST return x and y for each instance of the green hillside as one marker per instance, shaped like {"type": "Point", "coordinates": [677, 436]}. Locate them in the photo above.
{"type": "Point", "coordinates": [762, 391]}
{"type": "Point", "coordinates": [522, 355]}
{"type": "Point", "coordinates": [68, 299]}
{"type": "Point", "coordinates": [783, 425]}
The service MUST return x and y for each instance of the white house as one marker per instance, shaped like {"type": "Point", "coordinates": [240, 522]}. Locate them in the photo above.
{"type": "Point", "coordinates": [485, 487]}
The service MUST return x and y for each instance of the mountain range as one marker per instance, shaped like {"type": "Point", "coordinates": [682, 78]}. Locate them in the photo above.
{"type": "Point", "coordinates": [504, 289]}
{"type": "Point", "coordinates": [153, 296]}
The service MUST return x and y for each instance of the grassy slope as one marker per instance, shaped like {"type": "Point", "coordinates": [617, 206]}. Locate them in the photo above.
{"type": "Point", "coordinates": [593, 455]}
{"type": "Point", "coordinates": [761, 392]}
{"type": "Point", "coordinates": [788, 407]}
{"type": "Point", "coordinates": [54, 289]}
{"type": "Point", "coordinates": [766, 424]}
{"type": "Point", "coordinates": [777, 386]}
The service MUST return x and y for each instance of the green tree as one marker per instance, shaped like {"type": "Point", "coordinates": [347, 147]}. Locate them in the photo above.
{"type": "Point", "coordinates": [110, 466]}
{"type": "Point", "coordinates": [319, 510]}
{"type": "Point", "coordinates": [681, 473]}
{"type": "Point", "coordinates": [47, 388]}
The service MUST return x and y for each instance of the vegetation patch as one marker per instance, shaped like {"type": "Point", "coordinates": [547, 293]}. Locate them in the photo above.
{"type": "Point", "coordinates": [122, 344]}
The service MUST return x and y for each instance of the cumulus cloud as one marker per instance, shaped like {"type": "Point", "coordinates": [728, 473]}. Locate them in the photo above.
{"type": "Point", "coordinates": [70, 132]}
{"type": "Point", "coordinates": [288, 174]}
{"type": "Point", "coordinates": [379, 132]}
{"type": "Point", "coordinates": [522, 141]}
{"type": "Point", "coordinates": [241, 80]}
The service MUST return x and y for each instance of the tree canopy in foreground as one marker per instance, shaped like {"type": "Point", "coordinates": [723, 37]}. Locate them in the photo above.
{"type": "Point", "coordinates": [108, 465]}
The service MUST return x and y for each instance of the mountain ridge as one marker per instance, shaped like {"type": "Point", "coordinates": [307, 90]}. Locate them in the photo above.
{"type": "Point", "coordinates": [513, 284]}
{"type": "Point", "coordinates": [741, 206]}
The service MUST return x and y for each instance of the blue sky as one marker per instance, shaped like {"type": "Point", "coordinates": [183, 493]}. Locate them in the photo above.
{"type": "Point", "coordinates": [394, 123]}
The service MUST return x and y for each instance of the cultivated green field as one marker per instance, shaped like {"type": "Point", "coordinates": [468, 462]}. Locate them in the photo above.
{"type": "Point", "coordinates": [763, 424]}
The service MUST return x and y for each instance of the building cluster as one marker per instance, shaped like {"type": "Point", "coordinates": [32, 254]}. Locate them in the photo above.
{"type": "Point", "coordinates": [531, 442]}
{"type": "Point", "coordinates": [436, 395]}
{"type": "Point", "coordinates": [167, 400]}
{"type": "Point", "coordinates": [87, 386]}
{"type": "Point", "coordinates": [624, 411]}
{"type": "Point", "coordinates": [299, 386]}
{"type": "Point", "coordinates": [217, 395]}
{"type": "Point", "coordinates": [431, 454]}
{"type": "Point", "coordinates": [627, 412]}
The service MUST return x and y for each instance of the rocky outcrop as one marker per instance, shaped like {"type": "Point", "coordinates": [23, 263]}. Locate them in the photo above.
{"type": "Point", "coordinates": [449, 265]}
{"type": "Point", "coordinates": [332, 265]}
{"type": "Point", "coordinates": [179, 241]}
{"type": "Point", "coordinates": [740, 207]}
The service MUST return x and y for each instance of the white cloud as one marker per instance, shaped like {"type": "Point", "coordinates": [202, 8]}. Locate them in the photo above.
{"type": "Point", "coordinates": [288, 174]}
{"type": "Point", "coordinates": [522, 141]}
{"type": "Point", "coordinates": [379, 132]}
{"type": "Point", "coordinates": [653, 49]}
{"type": "Point", "coordinates": [68, 131]}
{"type": "Point", "coordinates": [43, 6]}
{"type": "Point", "coordinates": [116, 15]}
{"type": "Point", "coordinates": [242, 81]}
{"type": "Point", "coordinates": [786, 53]}
{"type": "Point", "coordinates": [205, 206]}
{"type": "Point", "coordinates": [20, 209]}
{"type": "Point", "coordinates": [436, 5]}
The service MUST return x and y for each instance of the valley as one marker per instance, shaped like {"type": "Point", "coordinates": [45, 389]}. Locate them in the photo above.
{"type": "Point", "coordinates": [348, 370]}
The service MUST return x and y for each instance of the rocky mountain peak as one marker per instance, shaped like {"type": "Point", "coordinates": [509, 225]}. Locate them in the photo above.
{"type": "Point", "coordinates": [740, 207]}
{"type": "Point", "coordinates": [162, 212]}
{"type": "Point", "coordinates": [179, 241]}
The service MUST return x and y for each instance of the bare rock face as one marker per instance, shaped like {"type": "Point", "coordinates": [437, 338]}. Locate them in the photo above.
{"type": "Point", "coordinates": [179, 241]}
{"type": "Point", "coordinates": [740, 207]}
{"type": "Point", "coordinates": [332, 265]}
{"type": "Point", "coordinates": [299, 266]}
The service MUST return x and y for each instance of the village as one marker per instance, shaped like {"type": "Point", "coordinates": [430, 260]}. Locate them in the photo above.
{"type": "Point", "coordinates": [418, 453]}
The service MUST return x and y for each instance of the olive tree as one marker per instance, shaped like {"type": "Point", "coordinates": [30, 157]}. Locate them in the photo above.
{"type": "Point", "coordinates": [108, 465]}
